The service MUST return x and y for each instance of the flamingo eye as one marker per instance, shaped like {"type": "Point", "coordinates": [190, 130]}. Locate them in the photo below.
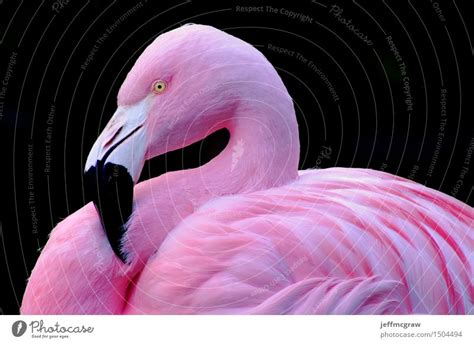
{"type": "Point", "coordinates": [158, 87]}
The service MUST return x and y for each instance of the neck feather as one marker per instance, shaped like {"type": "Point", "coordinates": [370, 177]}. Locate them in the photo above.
{"type": "Point", "coordinates": [263, 152]}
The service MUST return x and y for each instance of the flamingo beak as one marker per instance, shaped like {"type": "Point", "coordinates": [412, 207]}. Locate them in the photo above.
{"type": "Point", "coordinates": [113, 167]}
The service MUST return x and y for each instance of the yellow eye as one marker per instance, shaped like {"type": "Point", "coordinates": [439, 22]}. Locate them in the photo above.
{"type": "Point", "coordinates": [158, 86]}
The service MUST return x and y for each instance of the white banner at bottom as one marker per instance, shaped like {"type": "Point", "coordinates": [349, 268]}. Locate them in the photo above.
{"type": "Point", "coordinates": [236, 329]}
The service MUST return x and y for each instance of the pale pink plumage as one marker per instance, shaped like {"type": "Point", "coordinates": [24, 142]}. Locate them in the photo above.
{"type": "Point", "coordinates": [246, 234]}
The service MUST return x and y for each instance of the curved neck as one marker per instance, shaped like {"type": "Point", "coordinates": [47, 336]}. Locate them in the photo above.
{"type": "Point", "coordinates": [263, 152]}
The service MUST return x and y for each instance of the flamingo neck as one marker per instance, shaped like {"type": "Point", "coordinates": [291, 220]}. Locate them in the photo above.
{"type": "Point", "coordinates": [263, 152]}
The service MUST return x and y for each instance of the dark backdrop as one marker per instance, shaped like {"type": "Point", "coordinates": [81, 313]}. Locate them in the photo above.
{"type": "Point", "coordinates": [398, 98]}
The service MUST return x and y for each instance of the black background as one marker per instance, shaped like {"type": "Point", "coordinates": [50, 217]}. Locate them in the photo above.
{"type": "Point", "coordinates": [53, 109]}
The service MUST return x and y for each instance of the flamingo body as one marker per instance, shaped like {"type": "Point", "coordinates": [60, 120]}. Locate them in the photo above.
{"type": "Point", "coordinates": [336, 241]}
{"type": "Point", "coordinates": [247, 233]}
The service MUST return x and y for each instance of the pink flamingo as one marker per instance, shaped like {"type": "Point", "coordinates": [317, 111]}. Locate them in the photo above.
{"type": "Point", "coordinates": [247, 232]}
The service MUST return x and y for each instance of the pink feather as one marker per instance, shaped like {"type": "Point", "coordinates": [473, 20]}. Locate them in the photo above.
{"type": "Point", "coordinates": [247, 233]}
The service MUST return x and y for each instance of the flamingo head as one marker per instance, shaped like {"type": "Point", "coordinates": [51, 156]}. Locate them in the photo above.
{"type": "Point", "coordinates": [185, 85]}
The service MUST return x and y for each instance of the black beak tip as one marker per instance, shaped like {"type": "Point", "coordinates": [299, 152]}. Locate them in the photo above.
{"type": "Point", "coordinates": [90, 184]}
{"type": "Point", "coordinates": [110, 187]}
